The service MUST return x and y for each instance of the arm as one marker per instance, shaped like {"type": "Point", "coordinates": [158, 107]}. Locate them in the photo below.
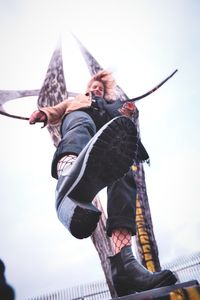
{"type": "Point", "coordinates": [48, 115]}
{"type": "Point", "coordinates": [53, 114]}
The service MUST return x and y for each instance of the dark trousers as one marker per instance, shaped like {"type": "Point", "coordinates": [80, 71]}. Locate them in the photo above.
{"type": "Point", "coordinates": [76, 131]}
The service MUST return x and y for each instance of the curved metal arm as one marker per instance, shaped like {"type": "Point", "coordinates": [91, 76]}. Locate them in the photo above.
{"type": "Point", "coordinates": [128, 100]}
{"type": "Point", "coordinates": [152, 90]}
{"type": "Point", "coordinates": [13, 116]}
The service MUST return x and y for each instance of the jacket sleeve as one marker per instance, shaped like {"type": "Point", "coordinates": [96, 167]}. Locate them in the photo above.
{"type": "Point", "coordinates": [56, 113]}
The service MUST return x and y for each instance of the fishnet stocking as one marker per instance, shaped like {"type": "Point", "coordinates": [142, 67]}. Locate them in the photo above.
{"type": "Point", "coordinates": [65, 162]}
{"type": "Point", "coordinates": [121, 237]}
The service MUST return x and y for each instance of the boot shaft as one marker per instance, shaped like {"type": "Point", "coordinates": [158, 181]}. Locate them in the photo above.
{"type": "Point", "coordinates": [130, 276]}
{"type": "Point", "coordinates": [124, 262]}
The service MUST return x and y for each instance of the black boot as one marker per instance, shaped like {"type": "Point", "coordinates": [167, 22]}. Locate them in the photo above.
{"type": "Point", "coordinates": [106, 158]}
{"type": "Point", "coordinates": [129, 276]}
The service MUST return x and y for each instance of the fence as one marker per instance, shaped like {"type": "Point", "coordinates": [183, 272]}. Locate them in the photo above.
{"type": "Point", "coordinates": [186, 268]}
{"type": "Point", "coordinates": [92, 291]}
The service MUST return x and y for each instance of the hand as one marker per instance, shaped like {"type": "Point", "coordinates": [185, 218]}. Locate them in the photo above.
{"type": "Point", "coordinates": [128, 109]}
{"type": "Point", "coordinates": [38, 116]}
{"type": "Point", "coordinates": [84, 100]}
{"type": "Point", "coordinates": [79, 102]}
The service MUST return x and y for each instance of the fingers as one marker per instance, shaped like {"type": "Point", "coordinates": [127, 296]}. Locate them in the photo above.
{"type": "Point", "coordinates": [37, 116]}
{"type": "Point", "coordinates": [90, 96]}
{"type": "Point", "coordinates": [32, 118]}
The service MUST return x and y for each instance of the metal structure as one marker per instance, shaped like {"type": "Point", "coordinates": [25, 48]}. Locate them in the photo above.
{"type": "Point", "coordinates": [186, 267]}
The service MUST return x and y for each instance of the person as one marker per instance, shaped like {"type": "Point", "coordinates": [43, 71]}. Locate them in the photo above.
{"type": "Point", "coordinates": [6, 291]}
{"type": "Point", "coordinates": [99, 144]}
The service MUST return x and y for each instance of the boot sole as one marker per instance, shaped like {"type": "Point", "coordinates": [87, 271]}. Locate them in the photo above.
{"type": "Point", "coordinates": [80, 219]}
{"type": "Point", "coordinates": [125, 287]}
{"type": "Point", "coordinates": [108, 158]}
{"type": "Point", "coordinates": [169, 280]}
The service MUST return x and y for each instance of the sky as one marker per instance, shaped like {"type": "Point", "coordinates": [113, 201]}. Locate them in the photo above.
{"type": "Point", "coordinates": [142, 42]}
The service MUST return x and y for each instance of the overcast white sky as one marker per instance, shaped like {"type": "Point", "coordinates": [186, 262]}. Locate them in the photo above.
{"type": "Point", "coordinates": [142, 41]}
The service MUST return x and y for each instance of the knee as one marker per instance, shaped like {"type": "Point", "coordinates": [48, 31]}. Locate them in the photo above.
{"type": "Point", "coordinates": [85, 120]}
{"type": "Point", "coordinates": [79, 118]}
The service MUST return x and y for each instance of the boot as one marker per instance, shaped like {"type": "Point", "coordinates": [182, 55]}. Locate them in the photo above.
{"type": "Point", "coordinates": [130, 277]}
{"type": "Point", "coordinates": [106, 158]}
{"type": "Point", "coordinates": [83, 215]}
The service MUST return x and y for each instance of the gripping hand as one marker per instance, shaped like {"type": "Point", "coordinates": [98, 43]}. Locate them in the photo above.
{"type": "Point", "coordinates": [38, 116]}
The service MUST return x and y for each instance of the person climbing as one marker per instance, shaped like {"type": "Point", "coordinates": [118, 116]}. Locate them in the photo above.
{"type": "Point", "coordinates": [99, 144]}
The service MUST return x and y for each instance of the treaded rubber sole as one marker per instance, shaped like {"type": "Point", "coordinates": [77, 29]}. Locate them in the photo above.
{"type": "Point", "coordinates": [84, 222]}
{"type": "Point", "coordinates": [124, 288]}
{"type": "Point", "coordinates": [171, 279]}
{"type": "Point", "coordinates": [109, 159]}
{"type": "Point", "coordinates": [80, 219]}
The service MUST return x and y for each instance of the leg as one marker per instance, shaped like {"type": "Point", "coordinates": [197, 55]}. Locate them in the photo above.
{"type": "Point", "coordinates": [128, 275]}
{"type": "Point", "coordinates": [104, 159]}
{"type": "Point", "coordinates": [121, 205]}
{"type": "Point", "coordinates": [77, 129]}
{"type": "Point", "coordinates": [121, 237]}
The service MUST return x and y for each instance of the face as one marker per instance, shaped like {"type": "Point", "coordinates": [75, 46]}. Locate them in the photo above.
{"type": "Point", "coordinates": [97, 88]}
